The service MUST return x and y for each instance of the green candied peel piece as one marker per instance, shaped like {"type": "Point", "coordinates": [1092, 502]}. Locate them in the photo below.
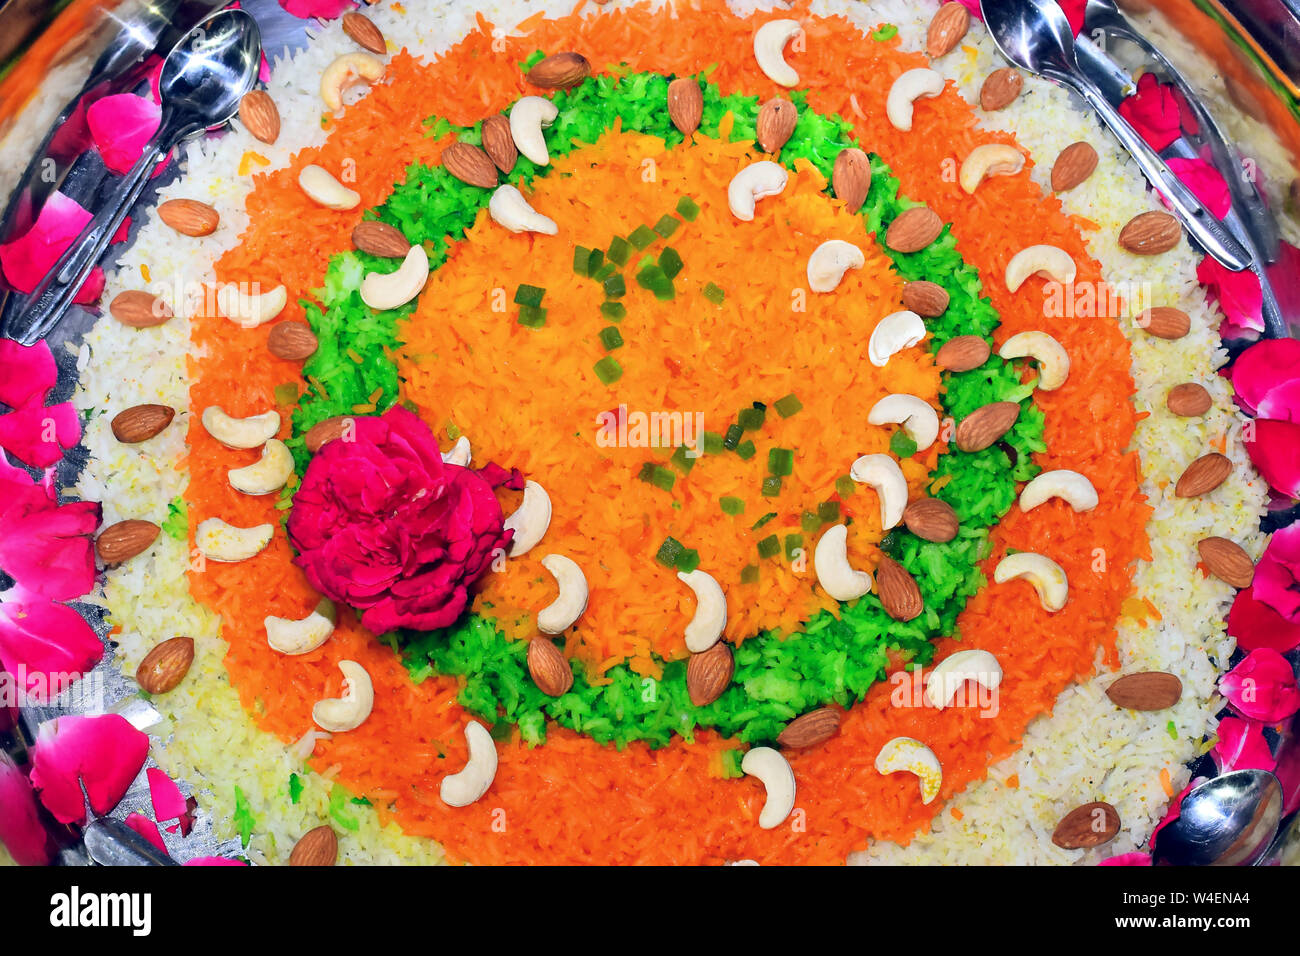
{"type": "Point", "coordinates": [177, 523]}
{"type": "Point", "coordinates": [243, 818]}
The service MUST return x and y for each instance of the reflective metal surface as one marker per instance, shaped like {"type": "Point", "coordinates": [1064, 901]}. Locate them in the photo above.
{"type": "Point", "coordinates": [1228, 821]}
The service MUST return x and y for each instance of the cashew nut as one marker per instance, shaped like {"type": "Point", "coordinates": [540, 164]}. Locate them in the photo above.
{"type": "Point", "coordinates": [831, 562]}
{"type": "Point", "coordinates": [349, 69]}
{"type": "Point", "coordinates": [528, 117]}
{"type": "Point", "coordinates": [1053, 361]}
{"type": "Point", "coordinates": [769, 50]}
{"type": "Point", "coordinates": [910, 86]}
{"type": "Point", "coordinates": [530, 520]}
{"type": "Point", "coordinates": [339, 714]}
{"type": "Point", "coordinates": [323, 189]}
{"type": "Point", "coordinates": [1051, 261]}
{"type": "Point", "coordinates": [912, 756]}
{"type": "Point", "coordinates": [472, 781]}
{"type": "Point", "coordinates": [990, 159]}
{"type": "Point", "coordinates": [218, 541]}
{"type": "Point", "coordinates": [1070, 486]}
{"type": "Point", "coordinates": [1047, 577]}
{"type": "Point", "coordinates": [956, 669]}
{"type": "Point", "coordinates": [895, 332]}
{"type": "Point", "coordinates": [459, 453]}
{"type": "Point", "coordinates": [247, 432]}
{"type": "Point", "coordinates": [705, 628]}
{"type": "Point", "coordinates": [510, 209]}
{"type": "Point", "coordinates": [829, 262]}
{"type": "Point", "coordinates": [918, 418]}
{"type": "Point", "coordinates": [773, 771]}
{"type": "Point", "coordinates": [267, 474]}
{"type": "Point", "coordinates": [559, 615]}
{"type": "Point", "coordinates": [250, 310]}
{"type": "Point", "coordinates": [395, 289]}
{"type": "Point", "coordinates": [298, 636]}
{"type": "Point", "coordinates": [756, 181]}
{"type": "Point", "coordinates": [883, 474]}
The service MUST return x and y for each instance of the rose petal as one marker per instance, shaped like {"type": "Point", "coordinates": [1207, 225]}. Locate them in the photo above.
{"type": "Point", "coordinates": [1277, 574]}
{"type": "Point", "coordinates": [105, 753]}
{"type": "Point", "coordinates": [1254, 624]}
{"type": "Point", "coordinates": [1239, 295]}
{"type": "Point", "coordinates": [1266, 366]}
{"type": "Point", "coordinates": [1262, 687]}
{"type": "Point", "coordinates": [45, 546]}
{"type": "Point", "coordinates": [26, 372]}
{"type": "Point", "coordinates": [37, 434]}
{"type": "Point", "coordinates": [1241, 746]}
{"type": "Point", "coordinates": [50, 644]}
{"type": "Point", "coordinates": [21, 832]}
{"type": "Point", "coordinates": [146, 828]}
{"type": "Point", "coordinates": [167, 799]}
{"type": "Point", "coordinates": [1127, 859]}
{"type": "Point", "coordinates": [1275, 450]}
{"type": "Point", "coordinates": [121, 126]}
{"type": "Point", "coordinates": [92, 288]}
{"type": "Point", "coordinates": [323, 9]}
{"type": "Point", "coordinates": [1205, 182]}
{"type": "Point", "coordinates": [1153, 112]}
{"type": "Point", "coordinates": [27, 259]}
{"type": "Point", "coordinates": [213, 861]}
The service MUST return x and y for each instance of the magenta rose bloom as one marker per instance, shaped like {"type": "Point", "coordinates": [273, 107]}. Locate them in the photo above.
{"type": "Point", "coordinates": [381, 523]}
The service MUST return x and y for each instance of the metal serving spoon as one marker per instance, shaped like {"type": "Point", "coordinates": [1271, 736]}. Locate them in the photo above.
{"type": "Point", "coordinates": [202, 81]}
{"type": "Point", "coordinates": [1228, 821]}
{"type": "Point", "coordinates": [1036, 36]}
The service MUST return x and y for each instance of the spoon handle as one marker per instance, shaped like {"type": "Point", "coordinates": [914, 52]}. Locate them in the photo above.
{"type": "Point", "coordinates": [1208, 232]}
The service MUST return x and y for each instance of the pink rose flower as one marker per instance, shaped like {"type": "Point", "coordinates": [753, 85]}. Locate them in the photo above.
{"type": "Point", "coordinates": [1262, 687]}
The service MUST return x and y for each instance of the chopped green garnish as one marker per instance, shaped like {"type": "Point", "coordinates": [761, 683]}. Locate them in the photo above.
{"type": "Point", "coordinates": [667, 225]}
{"type": "Point", "coordinates": [669, 552]}
{"type": "Point", "coordinates": [751, 419]}
{"type": "Point", "coordinates": [642, 236]}
{"type": "Point", "coordinates": [177, 522]}
{"type": "Point", "coordinates": [608, 370]}
{"type": "Point", "coordinates": [619, 250]}
{"type": "Point", "coordinates": [713, 443]}
{"type": "Point", "coordinates": [732, 438]}
{"type": "Point", "coordinates": [1172, 728]}
{"type": "Point", "coordinates": [810, 522]}
{"type": "Point", "coordinates": [243, 817]}
{"type": "Point", "coordinates": [670, 262]}
{"type": "Point", "coordinates": [887, 32]}
{"type": "Point", "coordinates": [749, 574]}
{"type": "Point", "coordinates": [581, 258]}
{"type": "Point", "coordinates": [653, 278]}
{"type": "Point", "coordinates": [730, 760]}
{"type": "Point", "coordinates": [771, 486]}
{"type": "Point", "coordinates": [362, 802]}
{"type": "Point", "coordinates": [731, 506]}
{"type": "Point", "coordinates": [537, 56]}
{"type": "Point", "coordinates": [661, 477]}
{"type": "Point", "coordinates": [687, 208]}
{"type": "Point", "coordinates": [295, 787]}
{"type": "Point", "coordinates": [615, 287]}
{"type": "Point", "coordinates": [845, 486]}
{"type": "Point", "coordinates": [746, 450]}
{"type": "Point", "coordinates": [762, 521]}
{"type": "Point", "coordinates": [614, 311]}
{"type": "Point", "coordinates": [769, 546]}
{"type": "Point", "coordinates": [793, 543]}
{"type": "Point", "coordinates": [453, 431]}
{"type": "Point", "coordinates": [688, 560]}
{"type": "Point", "coordinates": [338, 809]}
{"type": "Point", "coordinates": [828, 511]}
{"type": "Point", "coordinates": [595, 262]}
{"type": "Point", "coordinates": [902, 445]}
{"type": "Point", "coordinates": [286, 394]}
{"type": "Point", "coordinates": [715, 293]}
{"type": "Point", "coordinates": [788, 405]}
{"type": "Point", "coordinates": [681, 461]}
{"type": "Point", "coordinates": [780, 461]}
{"type": "Point", "coordinates": [611, 338]}
{"type": "Point", "coordinates": [604, 272]}
{"type": "Point", "coordinates": [647, 471]}
{"type": "Point", "coordinates": [532, 316]}
{"type": "Point", "coordinates": [529, 294]}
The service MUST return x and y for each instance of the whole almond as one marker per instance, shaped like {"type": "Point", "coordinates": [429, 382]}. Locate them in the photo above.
{"type": "Point", "coordinates": [292, 341]}
{"type": "Point", "coordinates": [897, 590]}
{"type": "Point", "coordinates": [931, 519]}
{"type": "Point", "coordinates": [139, 310]}
{"type": "Point", "coordinates": [708, 673]}
{"type": "Point", "coordinates": [1000, 89]}
{"type": "Point", "coordinates": [1148, 690]}
{"type": "Point", "coordinates": [1150, 233]}
{"type": "Point", "coordinates": [815, 727]}
{"type": "Point", "coordinates": [260, 116]}
{"type": "Point", "coordinates": [1227, 561]}
{"type": "Point", "coordinates": [1087, 826]}
{"type": "Point", "coordinates": [189, 217]}
{"type": "Point", "coordinates": [318, 847]}
{"type": "Point", "coordinates": [548, 667]}
{"type": "Point", "coordinates": [499, 143]}
{"type": "Point", "coordinates": [927, 299]}
{"type": "Point", "coordinates": [166, 665]}
{"type": "Point", "coordinates": [364, 32]}
{"type": "Point", "coordinates": [124, 540]}
{"type": "Point", "coordinates": [141, 422]}
{"type": "Point", "coordinates": [913, 229]}
{"type": "Point", "coordinates": [325, 431]}
{"type": "Point", "coordinates": [984, 426]}
{"type": "Point", "coordinates": [380, 239]}
{"type": "Point", "coordinates": [963, 353]}
{"type": "Point", "coordinates": [1165, 322]}
{"type": "Point", "coordinates": [470, 165]}
{"type": "Point", "coordinates": [946, 30]}
{"type": "Point", "coordinates": [1074, 164]}
{"type": "Point", "coordinates": [1189, 400]}
{"type": "Point", "coordinates": [775, 123]}
{"type": "Point", "coordinates": [560, 71]}
{"type": "Point", "coordinates": [851, 177]}
{"type": "Point", "coordinates": [1203, 475]}
{"type": "Point", "coordinates": [685, 104]}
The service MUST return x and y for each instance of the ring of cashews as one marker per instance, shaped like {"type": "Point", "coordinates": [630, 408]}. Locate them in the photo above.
{"type": "Point", "coordinates": [219, 541]}
{"type": "Point", "coordinates": [956, 669]}
{"type": "Point", "coordinates": [989, 159]}
{"type": "Point", "coordinates": [919, 420]}
{"type": "Point", "coordinates": [1047, 577]}
{"type": "Point", "coordinates": [769, 50]}
{"type": "Point", "coordinates": [509, 209]}
{"type": "Point", "coordinates": [773, 771]}
{"type": "Point", "coordinates": [1070, 486]}
{"type": "Point", "coordinates": [395, 289]}
{"type": "Point", "coordinates": [829, 262]}
{"type": "Point", "coordinates": [905, 90]}
{"type": "Point", "coordinates": [756, 181]}
{"type": "Point", "coordinates": [1051, 261]}
{"type": "Point", "coordinates": [300, 635]}
{"type": "Point", "coordinates": [250, 432]}
{"type": "Point", "coordinates": [348, 712]}
{"type": "Point", "coordinates": [530, 520]}
{"type": "Point", "coordinates": [323, 189]}
{"type": "Point", "coordinates": [345, 71]}
{"type": "Point", "coordinates": [266, 475]}
{"type": "Point", "coordinates": [895, 332]}
{"type": "Point", "coordinates": [250, 309]}
{"type": "Point", "coordinates": [459, 453]}
{"type": "Point", "coordinates": [1052, 358]}
{"type": "Point", "coordinates": [706, 625]}
{"type": "Point", "coordinates": [831, 562]}
{"type": "Point", "coordinates": [558, 616]}
{"type": "Point", "coordinates": [528, 117]}
{"type": "Point", "coordinates": [906, 754]}
{"type": "Point", "coordinates": [882, 473]}
{"type": "Point", "coordinates": [468, 784]}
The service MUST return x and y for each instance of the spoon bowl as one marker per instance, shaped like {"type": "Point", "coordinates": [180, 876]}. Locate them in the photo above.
{"type": "Point", "coordinates": [1035, 36]}
{"type": "Point", "coordinates": [1228, 821]}
{"type": "Point", "coordinates": [208, 72]}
